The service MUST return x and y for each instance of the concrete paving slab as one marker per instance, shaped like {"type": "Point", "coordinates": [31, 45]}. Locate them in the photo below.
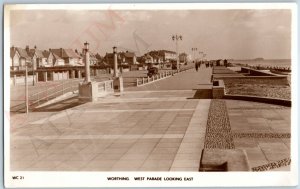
{"type": "Point", "coordinates": [233, 159]}
{"type": "Point", "coordinates": [161, 129]}
{"type": "Point", "coordinates": [263, 132]}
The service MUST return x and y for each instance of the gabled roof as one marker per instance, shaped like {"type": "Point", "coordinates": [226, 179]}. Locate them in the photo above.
{"type": "Point", "coordinates": [166, 51]}
{"type": "Point", "coordinates": [98, 56]}
{"type": "Point", "coordinates": [147, 56]}
{"type": "Point", "coordinates": [56, 56]}
{"type": "Point", "coordinates": [93, 56]}
{"type": "Point", "coordinates": [46, 54]}
{"type": "Point", "coordinates": [111, 55]}
{"type": "Point", "coordinates": [23, 53]}
{"type": "Point", "coordinates": [69, 53]}
{"type": "Point", "coordinates": [128, 54]}
{"type": "Point", "coordinates": [38, 53]}
{"type": "Point", "coordinates": [65, 53]}
{"type": "Point", "coordinates": [56, 52]}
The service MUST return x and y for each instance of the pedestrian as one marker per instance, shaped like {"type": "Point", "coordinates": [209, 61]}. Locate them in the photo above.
{"type": "Point", "coordinates": [196, 66]}
{"type": "Point", "coordinates": [225, 63]}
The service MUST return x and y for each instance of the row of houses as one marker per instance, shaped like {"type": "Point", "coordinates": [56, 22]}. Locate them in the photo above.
{"type": "Point", "coordinates": [163, 56]}
{"type": "Point", "coordinates": [36, 58]}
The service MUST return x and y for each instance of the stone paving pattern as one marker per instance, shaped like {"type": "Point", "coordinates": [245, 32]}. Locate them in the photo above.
{"type": "Point", "coordinates": [218, 134]}
{"type": "Point", "coordinates": [137, 131]}
{"type": "Point", "coordinates": [263, 130]}
{"type": "Point", "coordinates": [115, 136]}
{"type": "Point", "coordinates": [154, 128]}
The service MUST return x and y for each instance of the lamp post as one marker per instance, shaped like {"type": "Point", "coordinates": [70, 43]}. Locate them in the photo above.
{"type": "Point", "coordinates": [193, 51]}
{"type": "Point", "coordinates": [26, 90]}
{"type": "Point", "coordinates": [87, 62]}
{"type": "Point", "coordinates": [115, 62]}
{"type": "Point", "coordinates": [33, 72]}
{"type": "Point", "coordinates": [201, 56]}
{"type": "Point", "coordinates": [177, 38]}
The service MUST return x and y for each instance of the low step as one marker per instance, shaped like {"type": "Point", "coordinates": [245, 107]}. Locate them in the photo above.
{"type": "Point", "coordinates": [224, 160]}
{"type": "Point", "coordinates": [203, 94]}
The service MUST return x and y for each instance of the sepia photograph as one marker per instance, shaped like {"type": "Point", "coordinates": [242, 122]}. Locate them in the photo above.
{"type": "Point", "coordinates": [154, 95]}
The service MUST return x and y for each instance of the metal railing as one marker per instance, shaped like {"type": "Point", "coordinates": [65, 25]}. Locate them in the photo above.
{"type": "Point", "coordinates": [49, 93]}
{"type": "Point", "coordinates": [159, 76]}
{"type": "Point", "coordinates": [105, 86]}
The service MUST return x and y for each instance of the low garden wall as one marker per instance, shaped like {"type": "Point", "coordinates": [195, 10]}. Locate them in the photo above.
{"type": "Point", "coordinates": [218, 89]}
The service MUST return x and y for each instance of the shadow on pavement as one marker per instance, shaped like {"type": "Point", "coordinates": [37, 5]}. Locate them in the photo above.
{"type": "Point", "coordinates": [61, 105]}
{"type": "Point", "coordinates": [202, 94]}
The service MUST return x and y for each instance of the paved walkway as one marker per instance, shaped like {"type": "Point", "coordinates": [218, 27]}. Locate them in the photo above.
{"type": "Point", "coordinates": [158, 130]}
{"type": "Point", "coordinates": [120, 134]}
{"type": "Point", "coordinates": [263, 130]}
{"type": "Point", "coordinates": [156, 127]}
{"type": "Point", "coordinates": [183, 81]}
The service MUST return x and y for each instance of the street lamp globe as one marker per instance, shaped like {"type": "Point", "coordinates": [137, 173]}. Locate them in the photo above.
{"type": "Point", "coordinates": [86, 45]}
{"type": "Point", "coordinates": [115, 49]}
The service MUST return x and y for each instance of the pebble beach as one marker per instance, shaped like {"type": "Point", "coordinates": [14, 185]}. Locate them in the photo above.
{"type": "Point", "coordinates": [257, 87]}
{"type": "Point", "coordinates": [280, 89]}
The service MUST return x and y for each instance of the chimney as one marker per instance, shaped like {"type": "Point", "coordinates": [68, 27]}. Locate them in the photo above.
{"type": "Point", "coordinates": [49, 49]}
{"type": "Point", "coordinates": [61, 52]}
{"type": "Point", "coordinates": [34, 46]}
{"type": "Point", "coordinates": [27, 48]}
{"type": "Point", "coordinates": [76, 51]}
{"type": "Point", "coordinates": [13, 48]}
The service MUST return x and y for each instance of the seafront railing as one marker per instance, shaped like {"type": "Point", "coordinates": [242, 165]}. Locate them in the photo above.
{"type": "Point", "coordinates": [162, 75]}
{"type": "Point", "coordinates": [105, 86]}
{"type": "Point", "coordinates": [49, 93]}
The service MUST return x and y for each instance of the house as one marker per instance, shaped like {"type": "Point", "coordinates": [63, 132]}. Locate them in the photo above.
{"type": "Point", "coordinates": [148, 58]}
{"type": "Point", "coordinates": [52, 59]}
{"type": "Point", "coordinates": [128, 58]}
{"type": "Point", "coordinates": [80, 61]}
{"type": "Point", "coordinates": [49, 58]}
{"type": "Point", "coordinates": [157, 58]}
{"type": "Point", "coordinates": [99, 58]}
{"type": "Point", "coordinates": [93, 59]}
{"type": "Point", "coordinates": [140, 60]}
{"type": "Point", "coordinates": [168, 56]}
{"type": "Point", "coordinates": [70, 57]}
{"type": "Point", "coordinates": [163, 56]}
{"type": "Point", "coordinates": [183, 57]}
{"type": "Point", "coordinates": [109, 59]}
{"type": "Point", "coordinates": [19, 58]}
{"type": "Point", "coordinates": [36, 56]}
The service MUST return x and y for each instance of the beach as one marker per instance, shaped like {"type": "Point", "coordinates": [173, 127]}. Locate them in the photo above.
{"type": "Point", "coordinates": [265, 62]}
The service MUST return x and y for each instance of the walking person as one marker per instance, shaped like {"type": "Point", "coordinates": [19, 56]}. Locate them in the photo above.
{"type": "Point", "coordinates": [225, 63]}
{"type": "Point", "coordinates": [196, 66]}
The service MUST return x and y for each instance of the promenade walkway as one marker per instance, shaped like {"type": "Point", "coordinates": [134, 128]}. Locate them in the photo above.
{"type": "Point", "coordinates": [184, 81]}
{"type": "Point", "coordinates": [157, 127]}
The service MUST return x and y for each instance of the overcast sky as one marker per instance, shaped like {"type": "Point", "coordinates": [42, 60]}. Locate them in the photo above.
{"type": "Point", "coordinates": [235, 34]}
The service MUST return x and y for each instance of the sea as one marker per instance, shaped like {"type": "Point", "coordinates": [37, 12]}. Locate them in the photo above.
{"type": "Point", "coordinates": [265, 62]}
